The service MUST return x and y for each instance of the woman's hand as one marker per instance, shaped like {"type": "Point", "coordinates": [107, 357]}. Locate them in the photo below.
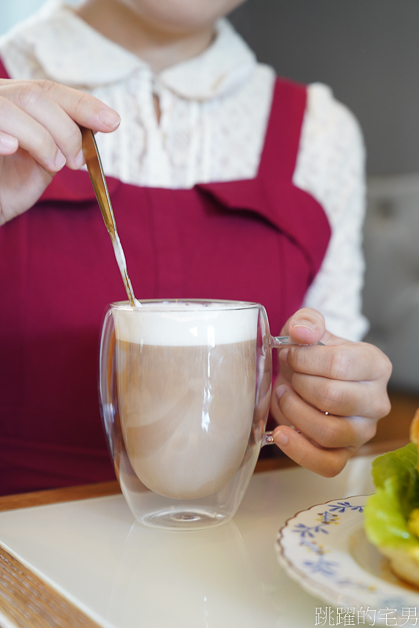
{"type": "Point", "coordinates": [39, 134]}
{"type": "Point", "coordinates": [333, 396]}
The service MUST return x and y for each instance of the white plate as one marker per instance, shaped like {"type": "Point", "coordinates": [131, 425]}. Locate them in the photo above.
{"type": "Point", "coordinates": [325, 549]}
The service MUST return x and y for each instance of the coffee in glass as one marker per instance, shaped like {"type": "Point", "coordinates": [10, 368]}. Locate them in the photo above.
{"type": "Point", "coordinates": [185, 391]}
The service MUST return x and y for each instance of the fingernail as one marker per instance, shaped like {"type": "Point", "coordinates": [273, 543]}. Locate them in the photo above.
{"type": "Point", "coordinates": [8, 142]}
{"type": "Point", "coordinates": [79, 159]}
{"type": "Point", "coordinates": [281, 438]}
{"type": "Point", "coordinates": [60, 160]}
{"type": "Point", "coordinates": [280, 391]}
{"type": "Point", "coordinates": [304, 323]}
{"type": "Point", "coordinates": [109, 118]}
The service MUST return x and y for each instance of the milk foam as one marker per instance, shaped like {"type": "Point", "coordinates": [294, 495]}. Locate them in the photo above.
{"type": "Point", "coordinates": [186, 324]}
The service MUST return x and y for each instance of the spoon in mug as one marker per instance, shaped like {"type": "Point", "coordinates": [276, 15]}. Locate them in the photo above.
{"type": "Point", "coordinates": [97, 177]}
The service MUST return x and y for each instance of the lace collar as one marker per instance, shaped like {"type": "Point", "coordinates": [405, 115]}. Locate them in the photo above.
{"type": "Point", "coordinates": [71, 52]}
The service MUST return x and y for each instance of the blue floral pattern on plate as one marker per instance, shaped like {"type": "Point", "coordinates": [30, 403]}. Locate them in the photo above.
{"type": "Point", "coordinates": [319, 548]}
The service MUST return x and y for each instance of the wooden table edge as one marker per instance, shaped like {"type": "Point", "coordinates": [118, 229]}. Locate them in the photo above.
{"type": "Point", "coordinates": [103, 489]}
{"type": "Point", "coordinates": [27, 601]}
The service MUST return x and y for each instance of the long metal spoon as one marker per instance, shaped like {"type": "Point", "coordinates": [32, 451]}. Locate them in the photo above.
{"type": "Point", "coordinates": [97, 177]}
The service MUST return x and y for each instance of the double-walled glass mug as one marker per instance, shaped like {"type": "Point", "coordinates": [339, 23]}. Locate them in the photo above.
{"type": "Point", "coordinates": [185, 391]}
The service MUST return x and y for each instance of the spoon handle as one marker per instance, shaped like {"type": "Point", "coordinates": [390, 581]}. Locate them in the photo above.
{"type": "Point", "coordinates": [97, 177]}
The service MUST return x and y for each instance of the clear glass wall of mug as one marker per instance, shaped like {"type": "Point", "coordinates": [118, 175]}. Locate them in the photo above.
{"type": "Point", "coordinates": [185, 391]}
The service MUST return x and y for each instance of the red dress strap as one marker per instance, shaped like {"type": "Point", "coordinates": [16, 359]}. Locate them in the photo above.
{"type": "Point", "coordinates": [3, 72]}
{"type": "Point", "coordinates": [272, 194]}
{"type": "Point", "coordinates": [283, 132]}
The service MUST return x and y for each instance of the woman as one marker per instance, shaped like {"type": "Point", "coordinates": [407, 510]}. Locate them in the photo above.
{"type": "Point", "coordinates": [226, 183]}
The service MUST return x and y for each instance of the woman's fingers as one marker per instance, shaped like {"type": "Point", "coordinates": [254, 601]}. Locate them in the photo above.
{"type": "Point", "coordinates": [328, 431]}
{"type": "Point", "coordinates": [346, 361]}
{"type": "Point", "coordinates": [31, 136]}
{"type": "Point", "coordinates": [342, 398]}
{"type": "Point", "coordinates": [326, 462]}
{"type": "Point", "coordinates": [44, 117]}
{"type": "Point", "coordinates": [332, 395]}
{"type": "Point", "coordinates": [306, 326]}
{"type": "Point", "coordinates": [343, 379]}
{"type": "Point", "coordinates": [39, 134]}
{"type": "Point", "coordinates": [83, 108]}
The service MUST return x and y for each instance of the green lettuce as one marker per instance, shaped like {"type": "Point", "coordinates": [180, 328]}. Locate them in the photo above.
{"type": "Point", "coordinates": [396, 479]}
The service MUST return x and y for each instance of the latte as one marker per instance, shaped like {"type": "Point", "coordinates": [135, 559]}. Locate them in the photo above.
{"type": "Point", "coordinates": [186, 383]}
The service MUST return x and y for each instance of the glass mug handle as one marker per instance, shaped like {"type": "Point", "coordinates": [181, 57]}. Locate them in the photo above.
{"type": "Point", "coordinates": [280, 342]}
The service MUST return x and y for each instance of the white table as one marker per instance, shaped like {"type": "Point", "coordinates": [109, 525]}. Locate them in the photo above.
{"type": "Point", "coordinates": [123, 575]}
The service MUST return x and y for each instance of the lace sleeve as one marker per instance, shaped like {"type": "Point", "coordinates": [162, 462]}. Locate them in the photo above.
{"type": "Point", "coordinates": [330, 166]}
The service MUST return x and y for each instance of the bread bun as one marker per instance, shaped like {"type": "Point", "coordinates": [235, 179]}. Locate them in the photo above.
{"type": "Point", "coordinates": [404, 564]}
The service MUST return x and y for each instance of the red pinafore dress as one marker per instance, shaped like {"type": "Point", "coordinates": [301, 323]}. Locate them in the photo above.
{"type": "Point", "coordinates": [260, 239]}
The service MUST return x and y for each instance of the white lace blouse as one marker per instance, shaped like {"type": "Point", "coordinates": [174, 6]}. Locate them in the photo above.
{"type": "Point", "coordinates": [214, 114]}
